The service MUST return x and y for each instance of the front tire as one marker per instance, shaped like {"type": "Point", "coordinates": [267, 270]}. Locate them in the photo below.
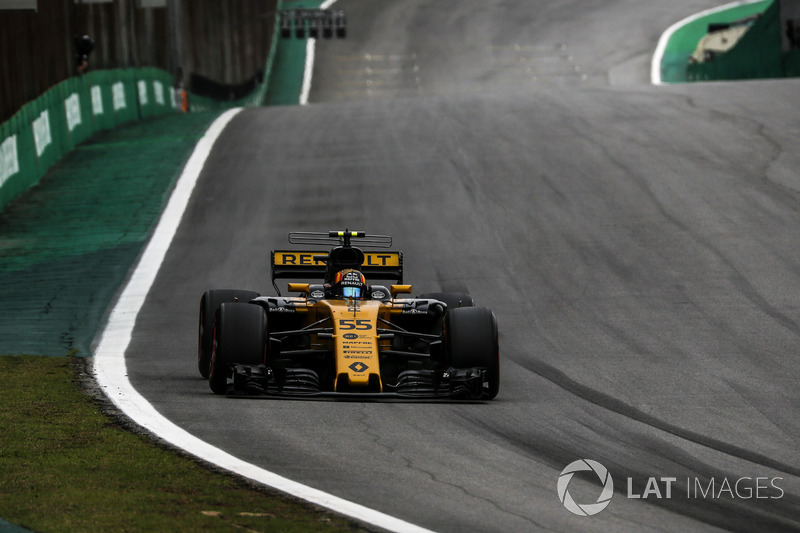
{"type": "Point", "coordinates": [471, 340]}
{"type": "Point", "coordinates": [209, 304]}
{"type": "Point", "coordinates": [240, 337]}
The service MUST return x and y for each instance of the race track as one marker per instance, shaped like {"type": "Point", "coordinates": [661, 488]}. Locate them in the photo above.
{"type": "Point", "coordinates": [639, 245]}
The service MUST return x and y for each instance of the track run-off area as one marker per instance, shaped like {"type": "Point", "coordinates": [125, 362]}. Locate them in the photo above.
{"type": "Point", "coordinates": [638, 244]}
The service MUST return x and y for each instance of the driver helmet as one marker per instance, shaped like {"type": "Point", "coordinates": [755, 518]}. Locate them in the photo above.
{"type": "Point", "coordinates": [350, 283]}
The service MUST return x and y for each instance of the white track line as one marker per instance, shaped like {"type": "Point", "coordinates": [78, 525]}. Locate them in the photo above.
{"type": "Point", "coordinates": [658, 56]}
{"type": "Point", "coordinates": [308, 71]}
{"type": "Point", "coordinates": [111, 373]}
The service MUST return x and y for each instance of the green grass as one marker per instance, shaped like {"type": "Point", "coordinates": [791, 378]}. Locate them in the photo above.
{"type": "Point", "coordinates": [65, 466]}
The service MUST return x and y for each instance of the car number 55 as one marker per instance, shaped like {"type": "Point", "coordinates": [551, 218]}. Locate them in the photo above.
{"type": "Point", "coordinates": [353, 323]}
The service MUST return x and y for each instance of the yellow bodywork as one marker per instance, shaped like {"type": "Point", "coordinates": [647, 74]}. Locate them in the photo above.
{"type": "Point", "coordinates": [356, 342]}
{"type": "Point", "coordinates": [355, 336]}
{"type": "Point", "coordinates": [311, 258]}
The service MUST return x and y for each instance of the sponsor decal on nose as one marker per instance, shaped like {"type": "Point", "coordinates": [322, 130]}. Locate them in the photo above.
{"type": "Point", "coordinates": [358, 366]}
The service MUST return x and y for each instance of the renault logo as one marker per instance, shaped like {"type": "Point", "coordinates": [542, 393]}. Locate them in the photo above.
{"type": "Point", "coordinates": [358, 367]}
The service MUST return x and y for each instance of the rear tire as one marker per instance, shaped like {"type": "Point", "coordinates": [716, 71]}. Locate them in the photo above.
{"type": "Point", "coordinates": [471, 340]}
{"type": "Point", "coordinates": [209, 304]}
{"type": "Point", "coordinates": [240, 337]}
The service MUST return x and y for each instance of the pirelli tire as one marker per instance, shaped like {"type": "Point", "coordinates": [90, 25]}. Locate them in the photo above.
{"type": "Point", "coordinates": [240, 337]}
{"type": "Point", "coordinates": [209, 303]}
{"type": "Point", "coordinates": [471, 340]}
{"type": "Point", "coordinates": [453, 300]}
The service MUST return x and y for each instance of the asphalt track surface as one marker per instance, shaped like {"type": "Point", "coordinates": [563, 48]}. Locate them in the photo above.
{"type": "Point", "coordinates": [640, 246]}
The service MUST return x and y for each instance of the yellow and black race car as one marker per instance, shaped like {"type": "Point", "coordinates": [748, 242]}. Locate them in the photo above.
{"type": "Point", "coordinates": [346, 335]}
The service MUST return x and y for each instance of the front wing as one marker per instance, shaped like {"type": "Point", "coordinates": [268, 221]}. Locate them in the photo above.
{"type": "Point", "coordinates": [261, 380]}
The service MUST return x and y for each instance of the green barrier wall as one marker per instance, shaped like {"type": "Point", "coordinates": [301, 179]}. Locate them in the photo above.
{"type": "Point", "coordinates": [758, 54]}
{"type": "Point", "coordinates": [70, 112]}
{"type": "Point", "coordinates": [791, 64]}
{"type": "Point", "coordinates": [683, 42]}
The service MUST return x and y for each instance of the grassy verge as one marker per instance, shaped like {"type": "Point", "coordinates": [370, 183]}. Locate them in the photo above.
{"type": "Point", "coordinates": [65, 466]}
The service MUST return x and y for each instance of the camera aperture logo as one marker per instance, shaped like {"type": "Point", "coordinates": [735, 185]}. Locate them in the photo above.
{"type": "Point", "coordinates": [662, 487]}
{"type": "Point", "coordinates": [585, 509]}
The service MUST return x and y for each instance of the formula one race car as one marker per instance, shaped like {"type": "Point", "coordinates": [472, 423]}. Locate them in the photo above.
{"type": "Point", "coordinates": [345, 335]}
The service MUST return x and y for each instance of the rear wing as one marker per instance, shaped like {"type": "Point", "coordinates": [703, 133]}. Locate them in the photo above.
{"type": "Point", "coordinates": [313, 264]}
{"type": "Point", "coordinates": [341, 238]}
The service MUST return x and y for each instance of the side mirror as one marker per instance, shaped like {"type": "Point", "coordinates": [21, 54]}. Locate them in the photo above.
{"type": "Point", "coordinates": [400, 289]}
{"type": "Point", "coordinates": [299, 287]}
